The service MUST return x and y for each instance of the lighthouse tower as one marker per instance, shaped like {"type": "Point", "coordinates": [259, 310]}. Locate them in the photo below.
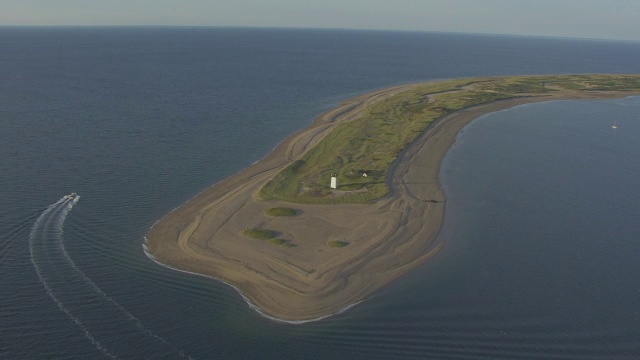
{"type": "Point", "coordinates": [334, 181]}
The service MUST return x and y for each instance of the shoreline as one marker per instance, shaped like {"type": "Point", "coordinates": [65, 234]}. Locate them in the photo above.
{"type": "Point", "coordinates": [312, 281]}
{"type": "Point", "coordinates": [251, 305]}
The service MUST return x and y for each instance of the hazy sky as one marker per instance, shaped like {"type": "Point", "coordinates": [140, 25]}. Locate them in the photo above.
{"type": "Point", "coordinates": [607, 19]}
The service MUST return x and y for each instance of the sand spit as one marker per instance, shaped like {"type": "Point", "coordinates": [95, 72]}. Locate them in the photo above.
{"type": "Point", "coordinates": [311, 280]}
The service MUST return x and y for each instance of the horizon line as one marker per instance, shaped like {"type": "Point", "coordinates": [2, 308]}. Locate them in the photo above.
{"type": "Point", "coordinates": [565, 37]}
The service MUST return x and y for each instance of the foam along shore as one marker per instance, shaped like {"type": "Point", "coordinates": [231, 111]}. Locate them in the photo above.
{"type": "Point", "coordinates": [309, 279]}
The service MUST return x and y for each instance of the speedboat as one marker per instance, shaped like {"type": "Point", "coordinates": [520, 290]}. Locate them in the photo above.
{"type": "Point", "coordinates": [70, 196]}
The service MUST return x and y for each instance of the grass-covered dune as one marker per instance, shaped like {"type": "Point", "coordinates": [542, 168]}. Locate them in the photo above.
{"type": "Point", "coordinates": [371, 143]}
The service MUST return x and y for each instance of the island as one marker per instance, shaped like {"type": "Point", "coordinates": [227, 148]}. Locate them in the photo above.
{"type": "Point", "coordinates": [349, 204]}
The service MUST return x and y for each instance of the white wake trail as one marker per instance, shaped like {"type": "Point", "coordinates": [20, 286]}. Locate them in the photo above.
{"type": "Point", "coordinates": [65, 283]}
{"type": "Point", "coordinates": [116, 305]}
{"type": "Point", "coordinates": [59, 209]}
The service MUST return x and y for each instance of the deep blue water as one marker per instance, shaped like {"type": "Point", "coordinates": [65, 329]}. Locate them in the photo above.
{"type": "Point", "coordinates": [542, 199]}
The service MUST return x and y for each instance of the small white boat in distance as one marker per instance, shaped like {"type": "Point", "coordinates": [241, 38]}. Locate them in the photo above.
{"type": "Point", "coordinates": [70, 196]}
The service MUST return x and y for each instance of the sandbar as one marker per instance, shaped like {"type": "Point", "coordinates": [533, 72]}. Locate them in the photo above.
{"type": "Point", "coordinates": [311, 280]}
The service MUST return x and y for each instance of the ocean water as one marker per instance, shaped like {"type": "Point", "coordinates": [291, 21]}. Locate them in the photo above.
{"type": "Point", "coordinates": [541, 215]}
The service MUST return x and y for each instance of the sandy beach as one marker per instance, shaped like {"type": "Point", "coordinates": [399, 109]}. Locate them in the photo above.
{"type": "Point", "coordinates": [311, 280]}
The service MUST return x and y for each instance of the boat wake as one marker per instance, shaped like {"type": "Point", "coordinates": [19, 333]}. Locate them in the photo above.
{"type": "Point", "coordinates": [105, 323]}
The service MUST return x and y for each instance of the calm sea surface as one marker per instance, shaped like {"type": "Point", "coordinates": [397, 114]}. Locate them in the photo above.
{"type": "Point", "coordinates": [542, 213]}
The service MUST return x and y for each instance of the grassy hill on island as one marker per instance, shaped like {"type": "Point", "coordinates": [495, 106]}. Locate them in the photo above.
{"type": "Point", "coordinates": [371, 143]}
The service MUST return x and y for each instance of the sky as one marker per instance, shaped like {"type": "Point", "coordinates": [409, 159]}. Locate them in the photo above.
{"type": "Point", "coordinates": [600, 19]}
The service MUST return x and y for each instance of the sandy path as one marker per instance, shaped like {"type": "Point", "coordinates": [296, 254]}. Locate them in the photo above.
{"type": "Point", "coordinates": [312, 280]}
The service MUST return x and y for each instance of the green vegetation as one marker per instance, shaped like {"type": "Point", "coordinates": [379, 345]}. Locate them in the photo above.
{"type": "Point", "coordinates": [338, 244]}
{"type": "Point", "coordinates": [281, 242]}
{"type": "Point", "coordinates": [263, 234]}
{"type": "Point", "coordinates": [280, 211]}
{"type": "Point", "coordinates": [372, 142]}
{"type": "Point", "coordinates": [259, 233]}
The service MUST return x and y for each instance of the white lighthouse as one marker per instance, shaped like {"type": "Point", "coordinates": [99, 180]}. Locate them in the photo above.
{"type": "Point", "coordinates": [334, 181]}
